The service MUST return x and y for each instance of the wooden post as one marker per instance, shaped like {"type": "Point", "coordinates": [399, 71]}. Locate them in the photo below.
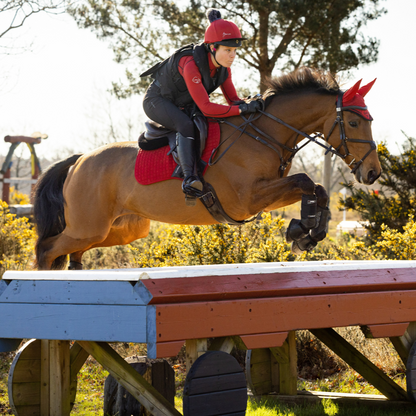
{"type": "Point", "coordinates": [6, 187]}
{"type": "Point", "coordinates": [286, 356]}
{"type": "Point", "coordinates": [194, 349]}
{"type": "Point", "coordinates": [44, 378]}
{"type": "Point", "coordinates": [59, 370]}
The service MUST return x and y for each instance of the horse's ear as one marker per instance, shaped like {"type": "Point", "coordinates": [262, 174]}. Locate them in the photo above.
{"type": "Point", "coordinates": [350, 93]}
{"type": "Point", "coordinates": [364, 90]}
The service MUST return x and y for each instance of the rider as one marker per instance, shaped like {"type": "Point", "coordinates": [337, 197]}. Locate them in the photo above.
{"type": "Point", "coordinates": [190, 75]}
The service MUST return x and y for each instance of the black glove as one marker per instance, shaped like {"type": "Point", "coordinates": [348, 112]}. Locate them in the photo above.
{"type": "Point", "coordinates": [251, 107]}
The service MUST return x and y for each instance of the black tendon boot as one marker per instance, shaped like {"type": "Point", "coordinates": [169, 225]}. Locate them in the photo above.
{"type": "Point", "coordinates": [299, 229]}
{"type": "Point", "coordinates": [191, 185]}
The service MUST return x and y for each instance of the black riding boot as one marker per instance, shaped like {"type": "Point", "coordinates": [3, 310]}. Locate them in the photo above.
{"type": "Point", "coordinates": [191, 185]}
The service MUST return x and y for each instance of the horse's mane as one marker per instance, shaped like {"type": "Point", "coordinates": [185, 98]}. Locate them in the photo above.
{"type": "Point", "coordinates": [302, 79]}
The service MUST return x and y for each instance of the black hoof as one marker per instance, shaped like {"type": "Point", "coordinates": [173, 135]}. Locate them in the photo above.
{"type": "Point", "coordinates": [295, 231]}
{"type": "Point", "coordinates": [75, 265]}
{"type": "Point", "coordinates": [305, 244]}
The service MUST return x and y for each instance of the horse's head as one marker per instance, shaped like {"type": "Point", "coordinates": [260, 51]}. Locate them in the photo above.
{"type": "Point", "coordinates": [354, 141]}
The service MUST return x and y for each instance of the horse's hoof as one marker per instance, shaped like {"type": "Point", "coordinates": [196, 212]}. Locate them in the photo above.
{"type": "Point", "coordinates": [295, 231]}
{"type": "Point", "coordinates": [305, 244]}
{"type": "Point", "coordinates": [74, 265]}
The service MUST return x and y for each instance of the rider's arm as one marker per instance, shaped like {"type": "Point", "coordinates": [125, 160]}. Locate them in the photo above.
{"type": "Point", "coordinates": [190, 72]}
{"type": "Point", "coordinates": [228, 89]}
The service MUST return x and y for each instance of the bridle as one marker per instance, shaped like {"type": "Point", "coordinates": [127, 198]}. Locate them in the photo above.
{"type": "Point", "coordinates": [273, 144]}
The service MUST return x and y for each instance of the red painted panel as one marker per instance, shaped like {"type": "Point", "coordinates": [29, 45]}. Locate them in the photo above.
{"type": "Point", "coordinates": [254, 316]}
{"type": "Point", "coordinates": [209, 288]}
{"type": "Point", "coordinates": [264, 340]}
{"type": "Point", "coordinates": [168, 349]}
{"type": "Point", "coordinates": [389, 330]}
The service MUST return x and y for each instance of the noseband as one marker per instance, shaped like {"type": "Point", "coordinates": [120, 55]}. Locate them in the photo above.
{"type": "Point", "coordinates": [273, 144]}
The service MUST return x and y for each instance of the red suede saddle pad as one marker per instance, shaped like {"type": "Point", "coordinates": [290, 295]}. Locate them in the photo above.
{"type": "Point", "coordinates": [156, 165]}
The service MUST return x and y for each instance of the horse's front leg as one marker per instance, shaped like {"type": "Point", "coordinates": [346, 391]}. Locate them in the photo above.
{"type": "Point", "coordinates": [304, 234]}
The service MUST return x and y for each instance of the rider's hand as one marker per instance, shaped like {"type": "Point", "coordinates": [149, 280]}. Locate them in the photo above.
{"type": "Point", "coordinates": [251, 107]}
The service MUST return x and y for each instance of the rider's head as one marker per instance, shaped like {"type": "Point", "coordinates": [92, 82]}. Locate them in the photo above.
{"type": "Point", "coordinates": [221, 32]}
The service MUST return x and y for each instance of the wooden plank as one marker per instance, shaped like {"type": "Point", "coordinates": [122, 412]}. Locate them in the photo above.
{"type": "Point", "coordinates": [44, 378]}
{"type": "Point", "coordinates": [26, 394]}
{"type": "Point", "coordinates": [360, 364]}
{"type": "Point", "coordinates": [72, 292]}
{"type": "Point", "coordinates": [59, 369]}
{"type": "Point", "coordinates": [130, 379]}
{"type": "Point", "coordinates": [218, 403]}
{"type": "Point", "coordinates": [29, 410]}
{"type": "Point", "coordinates": [132, 275]}
{"type": "Point", "coordinates": [27, 371]}
{"type": "Point", "coordinates": [111, 323]}
{"type": "Point", "coordinates": [168, 349]}
{"type": "Point", "coordinates": [278, 284]}
{"type": "Point", "coordinates": [77, 357]}
{"type": "Point", "coordinates": [385, 331]}
{"type": "Point", "coordinates": [194, 349]}
{"type": "Point", "coordinates": [9, 344]}
{"type": "Point", "coordinates": [275, 339]}
{"type": "Point", "coordinates": [286, 356]}
{"type": "Point", "coordinates": [248, 317]}
{"type": "Point", "coordinates": [217, 383]}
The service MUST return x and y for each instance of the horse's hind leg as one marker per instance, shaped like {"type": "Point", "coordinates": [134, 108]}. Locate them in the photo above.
{"type": "Point", "coordinates": [124, 230]}
{"type": "Point", "coordinates": [304, 234]}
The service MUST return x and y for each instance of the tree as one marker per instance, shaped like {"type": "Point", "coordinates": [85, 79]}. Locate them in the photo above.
{"type": "Point", "coordinates": [283, 34]}
{"type": "Point", "coordinates": [15, 12]}
{"type": "Point", "coordinates": [395, 201]}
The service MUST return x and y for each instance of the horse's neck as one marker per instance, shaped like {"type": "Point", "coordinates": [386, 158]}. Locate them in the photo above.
{"type": "Point", "coordinates": [305, 112]}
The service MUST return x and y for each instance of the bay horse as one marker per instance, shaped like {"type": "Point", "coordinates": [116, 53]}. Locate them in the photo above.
{"type": "Point", "coordinates": [93, 200]}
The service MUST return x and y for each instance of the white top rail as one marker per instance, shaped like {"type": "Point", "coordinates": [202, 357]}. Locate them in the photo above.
{"type": "Point", "coordinates": [133, 275]}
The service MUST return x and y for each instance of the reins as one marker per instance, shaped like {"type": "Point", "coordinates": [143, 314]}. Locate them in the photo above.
{"type": "Point", "coordinates": [242, 128]}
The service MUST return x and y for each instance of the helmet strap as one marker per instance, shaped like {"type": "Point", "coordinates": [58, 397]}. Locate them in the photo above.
{"type": "Point", "coordinates": [213, 52]}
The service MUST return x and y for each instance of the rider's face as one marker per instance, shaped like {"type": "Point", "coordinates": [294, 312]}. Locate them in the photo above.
{"type": "Point", "coordinates": [224, 55]}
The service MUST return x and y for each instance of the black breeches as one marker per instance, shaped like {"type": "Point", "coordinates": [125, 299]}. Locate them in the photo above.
{"type": "Point", "coordinates": [166, 113]}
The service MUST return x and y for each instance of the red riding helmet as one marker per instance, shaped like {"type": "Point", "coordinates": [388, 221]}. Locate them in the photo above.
{"type": "Point", "coordinates": [222, 32]}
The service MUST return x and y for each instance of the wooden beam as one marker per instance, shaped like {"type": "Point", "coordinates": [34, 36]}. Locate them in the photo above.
{"type": "Point", "coordinates": [59, 370]}
{"type": "Point", "coordinates": [225, 344]}
{"type": "Point", "coordinates": [286, 356]}
{"type": "Point", "coordinates": [194, 349]}
{"type": "Point", "coordinates": [130, 379]}
{"type": "Point", "coordinates": [385, 330]}
{"type": "Point", "coordinates": [360, 364]}
{"type": "Point", "coordinates": [404, 343]}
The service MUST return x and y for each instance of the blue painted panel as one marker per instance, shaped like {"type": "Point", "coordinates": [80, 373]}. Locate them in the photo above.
{"type": "Point", "coordinates": [111, 323]}
{"type": "Point", "coordinates": [142, 291]}
{"type": "Point", "coordinates": [7, 345]}
{"type": "Point", "coordinates": [151, 331]}
{"type": "Point", "coordinates": [73, 292]}
{"type": "Point", "coordinates": [3, 286]}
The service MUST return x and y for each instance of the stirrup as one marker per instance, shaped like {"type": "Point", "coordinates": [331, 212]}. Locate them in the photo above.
{"type": "Point", "coordinates": [192, 185]}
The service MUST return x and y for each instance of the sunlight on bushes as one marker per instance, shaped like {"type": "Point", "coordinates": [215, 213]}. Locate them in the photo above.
{"type": "Point", "coordinates": [17, 239]}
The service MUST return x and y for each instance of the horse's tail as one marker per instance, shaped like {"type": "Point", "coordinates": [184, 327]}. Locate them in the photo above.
{"type": "Point", "coordinates": [48, 206]}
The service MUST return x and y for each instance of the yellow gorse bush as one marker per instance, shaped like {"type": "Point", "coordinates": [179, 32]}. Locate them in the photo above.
{"type": "Point", "coordinates": [17, 240]}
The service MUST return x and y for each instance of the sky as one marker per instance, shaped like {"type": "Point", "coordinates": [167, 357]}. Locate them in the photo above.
{"type": "Point", "coordinates": [57, 77]}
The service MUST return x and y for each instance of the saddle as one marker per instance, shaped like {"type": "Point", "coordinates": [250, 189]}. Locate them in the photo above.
{"type": "Point", "coordinates": [157, 136]}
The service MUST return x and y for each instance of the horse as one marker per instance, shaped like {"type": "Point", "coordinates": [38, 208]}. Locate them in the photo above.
{"type": "Point", "coordinates": [93, 200]}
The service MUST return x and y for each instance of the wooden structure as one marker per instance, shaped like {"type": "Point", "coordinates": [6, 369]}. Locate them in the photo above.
{"type": "Point", "coordinates": [15, 141]}
{"type": "Point", "coordinates": [254, 306]}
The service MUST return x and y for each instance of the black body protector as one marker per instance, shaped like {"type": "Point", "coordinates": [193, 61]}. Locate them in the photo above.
{"type": "Point", "coordinates": [170, 81]}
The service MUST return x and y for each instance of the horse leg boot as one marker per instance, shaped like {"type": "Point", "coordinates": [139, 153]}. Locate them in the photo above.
{"type": "Point", "coordinates": [298, 230]}
{"type": "Point", "coordinates": [191, 185]}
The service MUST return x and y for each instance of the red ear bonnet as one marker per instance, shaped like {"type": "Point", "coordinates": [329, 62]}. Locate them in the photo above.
{"type": "Point", "coordinates": [355, 97]}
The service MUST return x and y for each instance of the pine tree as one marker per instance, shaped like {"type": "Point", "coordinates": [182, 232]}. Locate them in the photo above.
{"type": "Point", "coordinates": [396, 199]}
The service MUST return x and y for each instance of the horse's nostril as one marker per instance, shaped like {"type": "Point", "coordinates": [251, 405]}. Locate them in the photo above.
{"type": "Point", "coordinates": [372, 176]}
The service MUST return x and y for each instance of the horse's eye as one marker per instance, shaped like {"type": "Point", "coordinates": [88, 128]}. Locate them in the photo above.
{"type": "Point", "coordinates": [353, 123]}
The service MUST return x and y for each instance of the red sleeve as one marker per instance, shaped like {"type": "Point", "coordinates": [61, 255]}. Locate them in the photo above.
{"type": "Point", "coordinates": [228, 89]}
{"type": "Point", "coordinates": [190, 72]}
